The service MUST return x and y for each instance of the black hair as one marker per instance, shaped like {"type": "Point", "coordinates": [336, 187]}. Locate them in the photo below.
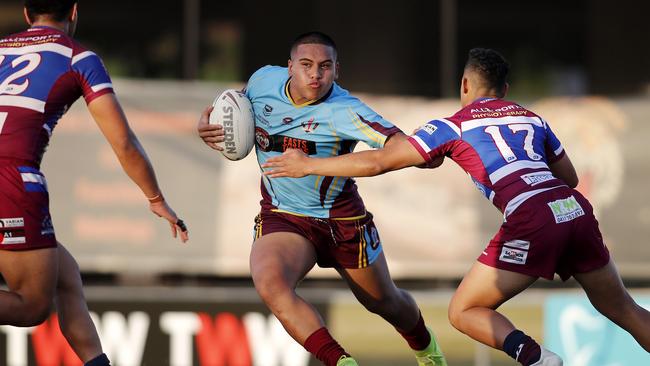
{"type": "Point", "coordinates": [57, 10]}
{"type": "Point", "coordinates": [491, 66]}
{"type": "Point", "coordinates": [313, 38]}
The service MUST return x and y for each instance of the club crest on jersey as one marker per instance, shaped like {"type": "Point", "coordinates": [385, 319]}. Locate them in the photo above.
{"type": "Point", "coordinates": [310, 125]}
{"type": "Point", "coordinates": [428, 128]}
{"type": "Point", "coordinates": [566, 209]}
{"type": "Point", "coordinates": [262, 139]}
{"type": "Point", "coordinates": [267, 110]}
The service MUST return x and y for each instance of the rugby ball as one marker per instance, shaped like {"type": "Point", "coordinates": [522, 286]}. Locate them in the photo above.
{"type": "Point", "coordinates": [234, 112]}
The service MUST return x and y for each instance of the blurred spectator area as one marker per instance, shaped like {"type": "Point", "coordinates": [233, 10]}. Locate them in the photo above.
{"type": "Point", "coordinates": [414, 47]}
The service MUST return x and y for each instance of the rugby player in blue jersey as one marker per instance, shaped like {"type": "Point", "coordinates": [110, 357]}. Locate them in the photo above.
{"type": "Point", "coordinates": [517, 162]}
{"type": "Point", "coordinates": [42, 72]}
{"type": "Point", "coordinates": [319, 220]}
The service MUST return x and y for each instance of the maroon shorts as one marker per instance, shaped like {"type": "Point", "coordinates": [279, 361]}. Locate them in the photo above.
{"type": "Point", "coordinates": [25, 221]}
{"type": "Point", "coordinates": [552, 232]}
{"type": "Point", "coordinates": [339, 243]}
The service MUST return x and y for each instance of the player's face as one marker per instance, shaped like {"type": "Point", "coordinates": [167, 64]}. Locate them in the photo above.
{"type": "Point", "coordinates": [313, 69]}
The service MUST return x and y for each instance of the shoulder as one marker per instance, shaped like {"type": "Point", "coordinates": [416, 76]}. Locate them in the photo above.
{"type": "Point", "coordinates": [341, 99]}
{"type": "Point", "coordinates": [265, 77]}
{"type": "Point", "coordinates": [268, 72]}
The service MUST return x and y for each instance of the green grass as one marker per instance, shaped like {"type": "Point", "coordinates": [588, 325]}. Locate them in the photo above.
{"type": "Point", "coordinates": [372, 341]}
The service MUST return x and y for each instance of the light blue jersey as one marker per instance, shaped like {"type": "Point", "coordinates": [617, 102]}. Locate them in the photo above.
{"type": "Point", "coordinates": [330, 126]}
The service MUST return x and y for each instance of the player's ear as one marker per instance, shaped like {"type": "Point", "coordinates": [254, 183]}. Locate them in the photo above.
{"type": "Point", "coordinates": [506, 87]}
{"type": "Point", "coordinates": [290, 67]}
{"type": "Point", "coordinates": [465, 85]}
{"type": "Point", "coordinates": [336, 71]}
{"type": "Point", "coordinates": [27, 19]}
{"type": "Point", "coordinates": [72, 17]}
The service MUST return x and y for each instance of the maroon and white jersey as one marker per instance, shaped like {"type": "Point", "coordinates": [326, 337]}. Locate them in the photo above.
{"type": "Point", "coordinates": [505, 149]}
{"type": "Point", "coordinates": [42, 73]}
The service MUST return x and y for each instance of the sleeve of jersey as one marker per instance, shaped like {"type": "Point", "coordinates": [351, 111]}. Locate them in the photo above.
{"type": "Point", "coordinates": [554, 149]}
{"type": "Point", "coordinates": [433, 139]}
{"type": "Point", "coordinates": [356, 121]}
{"type": "Point", "coordinates": [255, 81]}
{"type": "Point", "coordinates": [92, 75]}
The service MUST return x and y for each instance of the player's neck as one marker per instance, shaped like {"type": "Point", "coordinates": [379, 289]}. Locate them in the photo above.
{"type": "Point", "coordinates": [61, 26]}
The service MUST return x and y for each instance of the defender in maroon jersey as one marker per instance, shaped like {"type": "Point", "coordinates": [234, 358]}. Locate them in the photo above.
{"type": "Point", "coordinates": [42, 72]}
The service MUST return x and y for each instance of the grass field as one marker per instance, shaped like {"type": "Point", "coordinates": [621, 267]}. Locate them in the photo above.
{"type": "Point", "coordinates": [374, 342]}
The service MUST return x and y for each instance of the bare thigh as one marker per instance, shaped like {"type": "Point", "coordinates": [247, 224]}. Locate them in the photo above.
{"type": "Point", "coordinates": [31, 276]}
{"type": "Point", "coordinates": [281, 257]}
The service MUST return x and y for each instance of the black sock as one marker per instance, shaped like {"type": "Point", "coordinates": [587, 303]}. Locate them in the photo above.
{"type": "Point", "coordinates": [522, 348]}
{"type": "Point", "coordinates": [101, 360]}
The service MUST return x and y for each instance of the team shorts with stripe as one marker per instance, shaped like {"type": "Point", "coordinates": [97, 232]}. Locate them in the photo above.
{"type": "Point", "coordinates": [339, 243]}
{"type": "Point", "coordinates": [552, 232]}
{"type": "Point", "coordinates": [25, 221]}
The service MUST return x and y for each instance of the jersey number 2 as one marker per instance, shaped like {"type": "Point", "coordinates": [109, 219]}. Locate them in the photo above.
{"type": "Point", "coordinates": [33, 60]}
{"type": "Point", "coordinates": [3, 117]}
{"type": "Point", "coordinates": [503, 147]}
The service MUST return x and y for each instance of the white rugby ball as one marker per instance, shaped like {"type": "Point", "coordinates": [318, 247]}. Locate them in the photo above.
{"type": "Point", "coordinates": [234, 112]}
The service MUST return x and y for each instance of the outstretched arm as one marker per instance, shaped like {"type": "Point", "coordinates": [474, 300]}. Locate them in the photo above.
{"type": "Point", "coordinates": [111, 120]}
{"type": "Point", "coordinates": [398, 153]}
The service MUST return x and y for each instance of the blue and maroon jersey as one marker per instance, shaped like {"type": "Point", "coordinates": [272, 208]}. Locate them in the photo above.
{"type": "Point", "coordinates": [42, 73]}
{"type": "Point", "coordinates": [505, 149]}
{"type": "Point", "coordinates": [328, 127]}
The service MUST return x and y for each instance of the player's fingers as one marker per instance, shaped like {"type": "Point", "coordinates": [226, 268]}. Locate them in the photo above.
{"type": "Point", "coordinates": [203, 129]}
{"type": "Point", "coordinates": [173, 227]}
{"type": "Point", "coordinates": [213, 138]}
{"type": "Point", "coordinates": [278, 174]}
{"type": "Point", "coordinates": [214, 146]}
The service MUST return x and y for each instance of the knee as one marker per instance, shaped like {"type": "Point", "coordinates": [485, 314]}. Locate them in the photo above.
{"type": "Point", "coordinates": [455, 314]}
{"type": "Point", "coordinates": [270, 287]}
{"type": "Point", "coordinates": [385, 304]}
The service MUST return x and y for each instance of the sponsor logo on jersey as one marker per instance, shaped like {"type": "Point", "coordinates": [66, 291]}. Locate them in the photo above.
{"type": "Point", "coordinates": [428, 128]}
{"type": "Point", "coordinates": [519, 244]}
{"type": "Point", "coordinates": [566, 209]}
{"type": "Point", "coordinates": [262, 139]}
{"type": "Point", "coordinates": [287, 120]}
{"type": "Point", "coordinates": [310, 125]}
{"type": "Point", "coordinates": [8, 237]}
{"type": "Point", "coordinates": [295, 143]}
{"type": "Point", "coordinates": [533, 179]}
{"type": "Point", "coordinates": [515, 256]}
{"type": "Point", "coordinates": [267, 110]}
{"type": "Point", "coordinates": [12, 222]}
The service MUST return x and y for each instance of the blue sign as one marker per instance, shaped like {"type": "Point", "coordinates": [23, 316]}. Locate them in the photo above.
{"type": "Point", "coordinates": [583, 337]}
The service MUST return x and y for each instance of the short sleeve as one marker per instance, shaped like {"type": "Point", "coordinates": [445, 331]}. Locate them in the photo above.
{"type": "Point", "coordinates": [92, 75]}
{"type": "Point", "coordinates": [552, 146]}
{"type": "Point", "coordinates": [356, 121]}
{"type": "Point", "coordinates": [432, 139]}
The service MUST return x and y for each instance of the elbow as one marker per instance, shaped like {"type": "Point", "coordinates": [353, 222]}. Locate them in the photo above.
{"type": "Point", "coordinates": [573, 182]}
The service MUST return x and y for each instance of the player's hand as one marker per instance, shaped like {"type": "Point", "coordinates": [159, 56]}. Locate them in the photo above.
{"type": "Point", "coordinates": [433, 163]}
{"type": "Point", "coordinates": [211, 134]}
{"type": "Point", "coordinates": [292, 163]}
{"type": "Point", "coordinates": [162, 209]}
